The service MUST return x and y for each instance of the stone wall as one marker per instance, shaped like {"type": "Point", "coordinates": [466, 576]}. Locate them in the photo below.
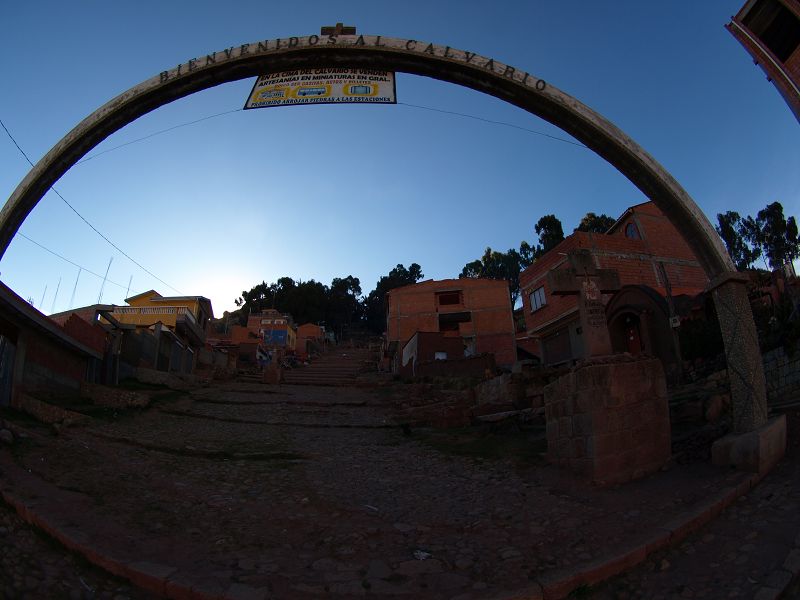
{"type": "Point", "coordinates": [474, 366]}
{"type": "Point", "coordinates": [783, 376]}
{"type": "Point", "coordinates": [502, 390]}
{"type": "Point", "coordinates": [175, 381]}
{"type": "Point", "coordinates": [207, 357]}
{"type": "Point", "coordinates": [708, 395]}
{"type": "Point", "coordinates": [524, 388]}
{"type": "Point", "coordinates": [47, 413]}
{"type": "Point", "coordinates": [113, 397]}
{"type": "Point", "coordinates": [703, 400]}
{"type": "Point", "coordinates": [420, 404]}
{"type": "Point", "coordinates": [609, 422]}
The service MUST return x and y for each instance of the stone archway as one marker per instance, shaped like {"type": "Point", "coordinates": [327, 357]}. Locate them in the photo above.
{"type": "Point", "coordinates": [515, 86]}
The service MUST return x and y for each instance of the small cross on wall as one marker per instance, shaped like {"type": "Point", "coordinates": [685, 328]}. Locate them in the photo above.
{"type": "Point", "coordinates": [339, 29]}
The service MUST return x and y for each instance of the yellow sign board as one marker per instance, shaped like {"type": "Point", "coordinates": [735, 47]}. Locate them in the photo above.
{"type": "Point", "coordinates": [323, 86]}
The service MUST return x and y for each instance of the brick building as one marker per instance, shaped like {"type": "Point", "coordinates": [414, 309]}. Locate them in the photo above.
{"type": "Point", "coordinates": [177, 324]}
{"type": "Point", "coordinates": [310, 338]}
{"type": "Point", "coordinates": [276, 329]}
{"type": "Point", "coordinates": [39, 355]}
{"type": "Point", "coordinates": [478, 311]}
{"type": "Point", "coordinates": [265, 330]}
{"type": "Point", "coordinates": [770, 32]}
{"type": "Point", "coordinates": [656, 268]}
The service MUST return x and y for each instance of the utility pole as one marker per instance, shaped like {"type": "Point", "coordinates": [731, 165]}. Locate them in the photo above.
{"type": "Point", "coordinates": [53, 306]}
{"type": "Point", "coordinates": [72, 298]}
{"type": "Point", "coordinates": [100, 297]}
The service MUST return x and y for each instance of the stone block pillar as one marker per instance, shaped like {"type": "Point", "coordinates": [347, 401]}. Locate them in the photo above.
{"type": "Point", "coordinates": [609, 421]}
{"type": "Point", "coordinates": [756, 443]}
{"type": "Point", "coordinates": [272, 374]}
{"type": "Point", "coordinates": [742, 354]}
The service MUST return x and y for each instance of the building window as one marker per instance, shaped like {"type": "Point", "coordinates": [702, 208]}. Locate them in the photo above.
{"type": "Point", "coordinates": [448, 298]}
{"type": "Point", "coordinates": [440, 356]}
{"type": "Point", "coordinates": [451, 321]}
{"type": "Point", "coordinates": [266, 321]}
{"type": "Point", "coordinates": [632, 232]}
{"type": "Point", "coordinates": [538, 299]}
{"type": "Point", "coordinates": [279, 321]}
{"type": "Point", "coordinates": [776, 26]}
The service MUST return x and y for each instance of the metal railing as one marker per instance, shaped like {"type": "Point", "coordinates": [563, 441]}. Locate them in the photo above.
{"type": "Point", "coordinates": [156, 310]}
{"type": "Point", "coordinates": [182, 310]}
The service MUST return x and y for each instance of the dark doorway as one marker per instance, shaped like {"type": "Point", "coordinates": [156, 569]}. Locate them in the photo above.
{"type": "Point", "coordinates": [8, 351]}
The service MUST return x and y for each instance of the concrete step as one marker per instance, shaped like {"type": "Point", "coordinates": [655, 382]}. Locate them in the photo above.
{"type": "Point", "coordinates": [296, 375]}
{"type": "Point", "coordinates": [323, 369]}
{"type": "Point", "coordinates": [338, 368]}
{"type": "Point", "coordinates": [320, 382]}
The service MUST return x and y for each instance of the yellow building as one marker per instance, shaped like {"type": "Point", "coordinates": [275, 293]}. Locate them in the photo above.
{"type": "Point", "coordinates": [185, 317]}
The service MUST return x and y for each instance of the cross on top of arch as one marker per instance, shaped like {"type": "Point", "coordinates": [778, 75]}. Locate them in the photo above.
{"type": "Point", "coordinates": [339, 29]}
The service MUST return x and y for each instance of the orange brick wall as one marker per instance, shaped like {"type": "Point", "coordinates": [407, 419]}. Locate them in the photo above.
{"type": "Point", "coordinates": [660, 236]}
{"type": "Point", "coordinates": [636, 261]}
{"type": "Point", "coordinates": [49, 365]}
{"type": "Point", "coordinates": [89, 334]}
{"type": "Point", "coordinates": [414, 308]}
{"type": "Point", "coordinates": [241, 334]}
{"type": "Point", "coordinates": [306, 331]}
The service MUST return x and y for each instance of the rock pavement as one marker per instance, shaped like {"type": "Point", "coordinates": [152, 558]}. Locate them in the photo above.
{"type": "Point", "coordinates": [275, 492]}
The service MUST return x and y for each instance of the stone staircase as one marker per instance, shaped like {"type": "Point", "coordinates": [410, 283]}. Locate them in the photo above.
{"type": "Point", "coordinates": [338, 367]}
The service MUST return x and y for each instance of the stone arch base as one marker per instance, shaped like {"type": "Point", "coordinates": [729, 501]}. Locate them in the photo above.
{"type": "Point", "coordinates": [756, 443]}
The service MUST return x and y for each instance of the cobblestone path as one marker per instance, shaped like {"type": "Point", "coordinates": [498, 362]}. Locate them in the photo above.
{"type": "Point", "coordinates": [749, 551]}
{"type": "Point", "coordinates": [271, 492]}
{"type": "Point", "coordinates": [33, 567]}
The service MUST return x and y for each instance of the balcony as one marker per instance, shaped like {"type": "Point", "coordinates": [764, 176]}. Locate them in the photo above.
{"type": "Point", "coordinates": [179, 317]}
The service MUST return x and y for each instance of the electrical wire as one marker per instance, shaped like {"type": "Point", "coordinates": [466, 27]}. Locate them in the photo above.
{"type": "Point", "coordinates": [64, 258]}
{"type": "Point", "coordinates": [228, 112]}
{"type": "Point", "coordinates": [490, 121]}
{"type": "Point", "coordinates": [419, 106]}
{"type": "Point", "coordinates": [11, 137]}
{"type": "Point", "coordinates": [147, 137]}
{"type": "Point", "coordinates": [97, 231]}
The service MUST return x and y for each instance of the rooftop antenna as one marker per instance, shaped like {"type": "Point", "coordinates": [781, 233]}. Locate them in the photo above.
{"type": "Point", "coordinates": [100, 297]}
{"type": "Point", "coordinates": [53, 306]}
{"type": "Point", "coordinates": [72, 298]}
{"type": "Point", "coordinates": [128, 291]}
{"type": "Point", "coordinates": [43, 293]}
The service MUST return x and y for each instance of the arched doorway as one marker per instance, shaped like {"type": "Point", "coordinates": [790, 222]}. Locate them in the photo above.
{"type": "Point", "coordinates": [626, 333]}
{"type": "Point", "coordinates": [638, 323]}
{"type": "Point", "coordinates": [465, 68]}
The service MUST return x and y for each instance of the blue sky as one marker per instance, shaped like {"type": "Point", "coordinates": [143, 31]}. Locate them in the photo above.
{"type": "Point", "coordinates": [328, 191]}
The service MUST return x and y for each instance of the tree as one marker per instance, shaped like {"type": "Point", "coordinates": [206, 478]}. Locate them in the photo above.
{"type": "Point", "coordinates": [343, 303]}
{"type": "Point", "coordinates": [735, 233]}
{"type": "Point", "coordinates": [595, 223]}
{"type": "Point", "coordinates": [306, 301]}
{"type": "Point", "coordinates": [777, 235]}
{"type": "Point", "coordinates": [527, 255]}
{"type": "Point", "coordinates": [375, 302]}
{"type": "Point", "coordinates": [498, 265]}
{"type": "Point", "coordinates": [550, 233]}
{"type": "Point", "coordinates": [254, 300]}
